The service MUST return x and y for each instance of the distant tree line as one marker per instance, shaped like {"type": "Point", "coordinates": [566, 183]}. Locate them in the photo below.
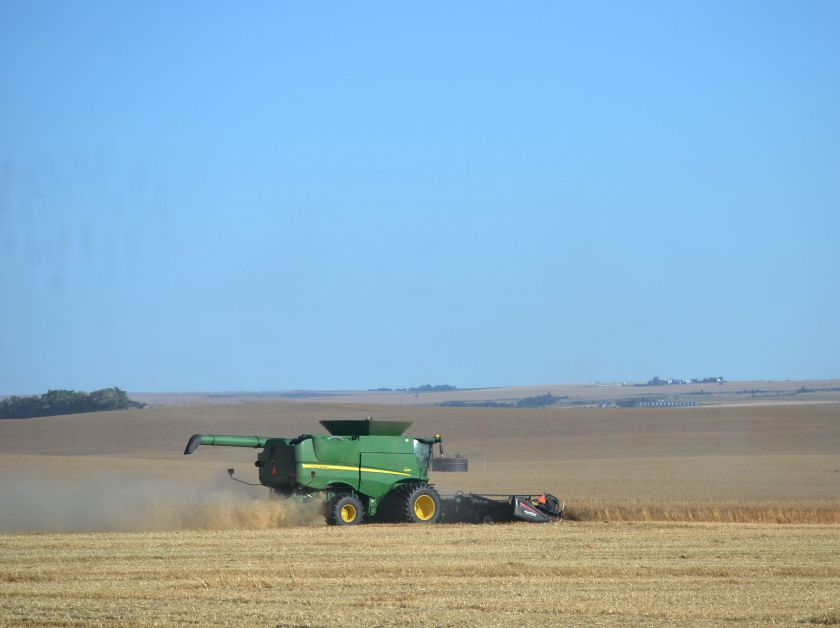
{"type": "Point", "coordinates": [540, 401]}
{"type": "Point", "coordinates": [56, 402]}
{"type": "Point", "coordinates": [424, 388]}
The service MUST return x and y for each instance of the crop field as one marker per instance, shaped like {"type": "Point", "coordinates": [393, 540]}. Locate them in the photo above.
{"type": "Point", "coordinates": [685, 515]}
{"type": "Point", "coordinates": [555, 574]}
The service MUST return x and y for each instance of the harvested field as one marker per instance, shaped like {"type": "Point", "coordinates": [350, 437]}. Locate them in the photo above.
{"type": "Point", "coordinates": [685, 515]}
{"type": "Point", "coordinates": [555, 574]}
{"type": "Point", "coordinates": [755, 454]}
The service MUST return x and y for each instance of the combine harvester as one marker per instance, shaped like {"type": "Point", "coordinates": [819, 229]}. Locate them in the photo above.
{"type": "Point", "coordinates": [367, 469]}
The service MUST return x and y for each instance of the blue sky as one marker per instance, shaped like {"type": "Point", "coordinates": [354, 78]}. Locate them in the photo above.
{"type": "Point", "coordinates": [212, 196]}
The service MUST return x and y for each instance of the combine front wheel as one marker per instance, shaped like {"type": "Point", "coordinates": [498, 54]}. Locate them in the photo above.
{"type": "Point", "coordinates": [345, 509]}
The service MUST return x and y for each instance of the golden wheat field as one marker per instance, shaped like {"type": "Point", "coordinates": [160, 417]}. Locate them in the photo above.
{"type": "Point", "coordinates": [555, 574]}
{"type": "Point", "coordinates": [686, 515]}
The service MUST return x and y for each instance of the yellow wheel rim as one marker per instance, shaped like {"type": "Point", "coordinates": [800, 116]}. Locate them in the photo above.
{"type": "Point", "coordinates": [348, 513]}
{"type": "Point", "coordinates": [424, 507]}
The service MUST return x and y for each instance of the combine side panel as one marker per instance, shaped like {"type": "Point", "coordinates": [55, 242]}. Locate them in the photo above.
{"type": "Point", "coordinates": [381, 471]}
{"type": "Point", "coordinates": [322, 463]}
{"type": "Point", "coordinates": [386, 461]}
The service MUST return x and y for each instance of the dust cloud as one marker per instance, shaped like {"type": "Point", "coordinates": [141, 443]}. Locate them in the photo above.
{"type": "Point", "coordinates": [126, 503]}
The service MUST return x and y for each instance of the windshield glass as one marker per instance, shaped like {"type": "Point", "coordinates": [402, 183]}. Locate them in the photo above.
{"type": "Point", "coordinates": [423, 451]}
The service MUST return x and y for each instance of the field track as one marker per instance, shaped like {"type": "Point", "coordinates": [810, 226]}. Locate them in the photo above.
{"type": "Point", "coordinates": [519, 574]}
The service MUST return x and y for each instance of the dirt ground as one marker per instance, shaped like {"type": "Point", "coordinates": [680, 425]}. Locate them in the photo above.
{"type": "Point", "coordinates": [783, 451]}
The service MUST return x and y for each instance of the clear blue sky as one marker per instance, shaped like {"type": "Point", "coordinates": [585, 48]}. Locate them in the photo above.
{"type": "Point", "coordinates": [218, 196]}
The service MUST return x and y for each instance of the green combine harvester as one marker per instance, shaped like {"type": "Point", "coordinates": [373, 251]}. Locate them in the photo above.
{"type": "Point", "coordinates": [369, 469]}
{"type": "Point", "coordinates": [363, 468]}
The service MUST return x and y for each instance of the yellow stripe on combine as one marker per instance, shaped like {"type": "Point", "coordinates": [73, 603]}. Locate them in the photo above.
{"type": "Point", "coordinates": [339, 467]}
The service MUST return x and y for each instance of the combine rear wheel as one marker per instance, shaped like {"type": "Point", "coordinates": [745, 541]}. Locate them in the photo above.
{"type": "Point", "coordinates": [421, 504]}
{"type": "Point", "coordinates": [345, 509]}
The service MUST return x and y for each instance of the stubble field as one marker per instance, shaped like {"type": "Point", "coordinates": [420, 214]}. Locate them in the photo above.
{"type": "Point", "coordinates": [556, 574]}
{"type": "Point", "coordinates": [690, 515]}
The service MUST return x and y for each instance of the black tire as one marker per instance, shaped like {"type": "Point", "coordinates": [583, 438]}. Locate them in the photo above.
{"type": "Point", "coordinates": [420, 503]}
{"type": "Point", "coordinates": [345, 509]}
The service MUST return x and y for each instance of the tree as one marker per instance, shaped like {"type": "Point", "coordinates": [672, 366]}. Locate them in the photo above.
{"type": "Point", "coordinates": [56, 402]}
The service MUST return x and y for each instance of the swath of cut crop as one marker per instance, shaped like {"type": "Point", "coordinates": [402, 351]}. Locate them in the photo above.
{"type": "Point", "coordinates": [707, 511]}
